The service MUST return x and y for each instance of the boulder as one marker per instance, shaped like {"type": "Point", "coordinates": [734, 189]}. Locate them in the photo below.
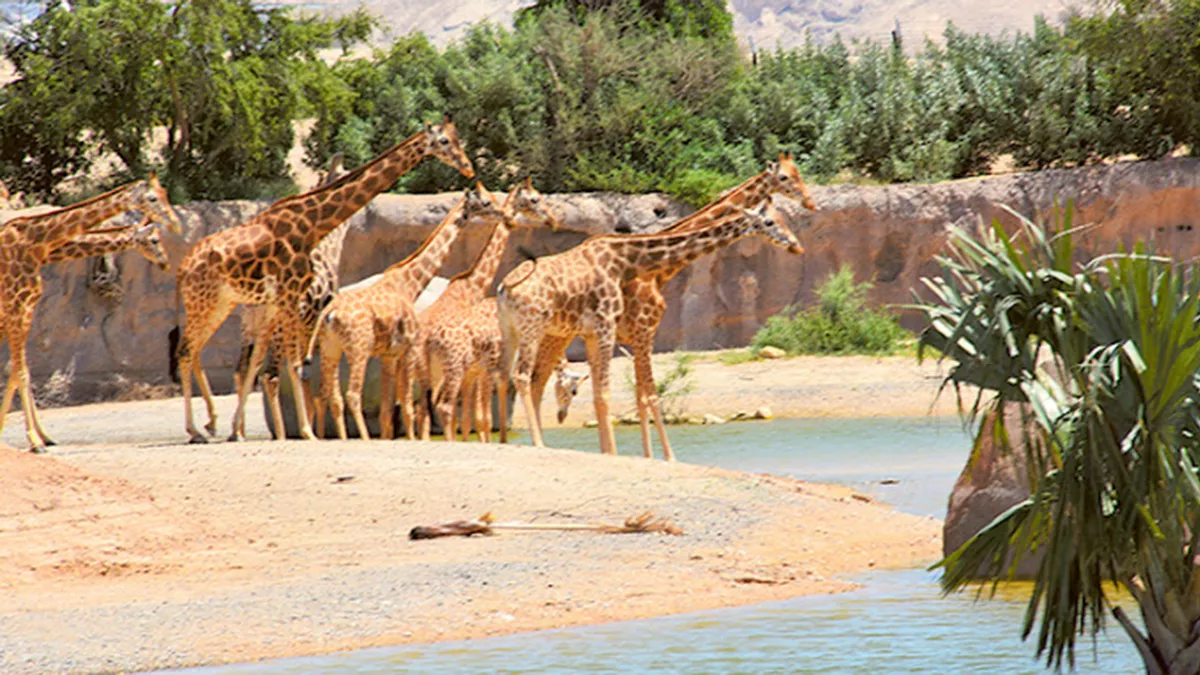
{"type": "Point", "coordinates": [771, 353]}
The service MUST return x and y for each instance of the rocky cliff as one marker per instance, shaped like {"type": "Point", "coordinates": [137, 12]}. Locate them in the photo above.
{"type": "Point", "coordinates": [888, 233]}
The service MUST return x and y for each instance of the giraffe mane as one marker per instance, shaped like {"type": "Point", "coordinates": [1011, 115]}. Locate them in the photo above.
{"type": "Point", "coordinates": [76, 205]}
{"type": "Point", "coordinates": [349, 175]}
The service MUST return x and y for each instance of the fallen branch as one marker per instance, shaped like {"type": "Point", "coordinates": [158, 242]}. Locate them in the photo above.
{"type": "Point", "coordinates": [486, 524]}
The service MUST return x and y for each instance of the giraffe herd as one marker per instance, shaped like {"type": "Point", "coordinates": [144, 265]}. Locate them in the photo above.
{"type": "Point", "coordinates": [281, 267]}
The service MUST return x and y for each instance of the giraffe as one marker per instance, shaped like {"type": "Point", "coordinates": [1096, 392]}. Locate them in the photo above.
{"type": "Point", "coordinates": [579, 292]}
{"type": "Point", "coordinates": [143, 238]}
{"type": "Point", "coordinates": [325, 260]}
{"type": "Point", "coordinates": [378, 320]}
{"type": "Point", "coordinates": [645, 306]}
{"type": "Point", "coordinates": [267, 261]}
{"type": "Point", "coordinates": [566, 387]}
{"type": "Point", "coordinates": [443, 354]}
{"type": "Point", "coordinates": [26, 243]}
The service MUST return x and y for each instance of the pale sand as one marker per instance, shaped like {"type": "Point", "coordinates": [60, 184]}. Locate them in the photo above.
{"type": "Point", "coordinates": [120, 555]}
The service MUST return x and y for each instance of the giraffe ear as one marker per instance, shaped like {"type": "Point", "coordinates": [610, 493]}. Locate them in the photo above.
{"type": "Point", "coordinates": [781, 156]}
{"type": "Point", "coordinates": [428, 128]}
{"type": "Point", "coordinates": [446, 119]}
{"type": "Point", "coordinates": [529, 181]}
{"type": "Point", "coordinates": [772, 167]}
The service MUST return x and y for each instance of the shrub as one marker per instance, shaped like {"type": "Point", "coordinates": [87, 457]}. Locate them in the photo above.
{"type": "Point", "coordinates": [841, 323]}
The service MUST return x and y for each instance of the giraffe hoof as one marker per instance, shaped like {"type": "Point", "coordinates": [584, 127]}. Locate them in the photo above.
{"type": "Point", "coordinates": [49, 442]}
{"type": "Point", "coordinates": [211, 428]}
{"type": "Point", "coordinates": [38, 450]}
{"type": "Point", "coordinates": [235, 438]}
{"type": "Point", "coordinates": [198, 440]}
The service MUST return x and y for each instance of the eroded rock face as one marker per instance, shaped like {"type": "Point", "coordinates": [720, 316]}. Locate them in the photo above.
{"type": "Point", "coordinates": [889, 234]}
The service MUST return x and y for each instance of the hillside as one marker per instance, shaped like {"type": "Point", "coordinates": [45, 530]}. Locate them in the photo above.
{"type": "Point", "coordinates": [760, 23]}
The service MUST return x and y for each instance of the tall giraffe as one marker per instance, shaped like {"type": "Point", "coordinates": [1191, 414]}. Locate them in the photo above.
{"type": "Point", "coordinates": [267, 261]}
{"type": "Point", "coordinates": [444, 350]}
{"type": "Point", "coordinates": [579, 292]}
{"type": "Point", "coordinates": [26, 243]}
{"type": "Point", "coordinates": [645, 305]}
{"type": "Point", "coordinates": [326, 258]}
{"type": "Point", "coordinates": [378, 319]}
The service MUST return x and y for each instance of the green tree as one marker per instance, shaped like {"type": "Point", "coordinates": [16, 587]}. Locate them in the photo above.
{"type": "Point", "coordinates": [224, 78]}
{"type": "Point", "coordinates": [1111, 430]}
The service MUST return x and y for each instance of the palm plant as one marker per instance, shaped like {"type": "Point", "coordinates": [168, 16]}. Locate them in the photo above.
{"type": "Point", "coordinates": [1103, 358]}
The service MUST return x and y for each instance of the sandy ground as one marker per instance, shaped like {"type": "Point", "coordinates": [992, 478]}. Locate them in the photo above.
{"type": "Point", "coordinates": [125, 549]}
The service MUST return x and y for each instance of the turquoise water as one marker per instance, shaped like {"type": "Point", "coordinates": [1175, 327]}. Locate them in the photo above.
{"type": "Point", "coordinates": [898, 623]}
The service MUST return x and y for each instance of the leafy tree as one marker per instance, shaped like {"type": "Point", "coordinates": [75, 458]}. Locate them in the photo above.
{"type": "Point", "coordinates": [1111, 428]}
{"type": "Point", "coordinates": [708, 19]}
{"type": "Point", "coordinates": [225, 78]}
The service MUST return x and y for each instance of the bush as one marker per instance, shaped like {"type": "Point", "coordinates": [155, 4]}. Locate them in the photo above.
{"type": "Point", "coordinates": [841, 323]}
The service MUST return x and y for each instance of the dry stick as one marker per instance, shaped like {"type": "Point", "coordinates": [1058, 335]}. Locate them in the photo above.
{"type": "Point", "coordinates": [646, 522]}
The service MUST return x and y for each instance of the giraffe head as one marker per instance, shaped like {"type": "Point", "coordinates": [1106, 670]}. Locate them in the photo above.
{"type": "Point", "coordinates": [524, 200]}
{"type": "Point", "coordinates": [444, 144]}
{"type": "Point", "coordinates": [150, 198]}
{"type": "Point", "coordinates": [479, 203]}
{"type": "Point", "coordinates": [766, 221]}
{"type": "Point", "coordinates": [784, 178]}
{"type": "Point", "coordinates": [148, 242]}
{"type": "Point", "coordinates": [566, 386]}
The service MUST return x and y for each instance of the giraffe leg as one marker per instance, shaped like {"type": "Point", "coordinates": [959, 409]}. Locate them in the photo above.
{"type": "Point", "coordinates": [502, 392]}
{"type": "Point", "coordinates": [202, 323]}
{"type": "Point", "coordinates": [270, 387]}
{"type": "Point", "coordinates": [484, 402]}
{"type": "Point", "coordinates": [37, 424]}
{"type": "Point", "coordinates": [293, 371]}
{"type": "Point", "coordinates": [405, 395]}
{"type": "Point", "coordinates": [290, 351]}
{"type": "Point", "coordinates": [10, 388]}
{"type": "Point", "coordinates": [358, 375]}
{"type": "Point", "coordinates": [644, 389]}
{"type": "Point", "coordinates": [331, 389]}
{"type": "Point", "coordinates": [19, 371]}
{"type": "Point", "coordinates": [447, 399]}
{"type": "Point", "coordinates": [387, 396]}
{"type": "Point", "coordinates": [599, 351]}
{"type": "Point", "coordinates": [238, 428]}
{"type": "Point", "coordinates": [464, 407]}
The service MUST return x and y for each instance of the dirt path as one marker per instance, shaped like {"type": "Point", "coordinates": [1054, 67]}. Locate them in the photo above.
{"type": "Point", "coordinates": [127, 550]}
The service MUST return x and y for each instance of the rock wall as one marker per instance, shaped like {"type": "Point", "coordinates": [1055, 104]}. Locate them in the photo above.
{"type": "Point", "coordinates": [888, 233]}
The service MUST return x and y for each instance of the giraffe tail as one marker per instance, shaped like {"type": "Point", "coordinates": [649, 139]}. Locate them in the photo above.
{"type": "Point", "coordinates": [322, 319]}
{"type": "Point", "coordinates": [173, 337]}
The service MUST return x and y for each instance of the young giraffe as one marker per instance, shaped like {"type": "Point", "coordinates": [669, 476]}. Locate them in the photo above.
{"type": "Point", "coordinates": [325, 260]}
{"type": "Point", "coordinates": [26, 243]}
{"type": "Point", "coordinates": [444, 351]}
{"type": "Point", "coordinates": [143, 238]}
{"type": "Point", "coordinates": [267, 261]}
{"type": "Point", "coordinates": [378, 320]}
{"type": "Point", "coordinates": [645, 306]}
{"type": "Point", "coordinates": [579, 292]}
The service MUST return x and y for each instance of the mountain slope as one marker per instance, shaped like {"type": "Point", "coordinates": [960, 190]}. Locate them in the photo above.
{"type": "Point", "coordinates": [760, 23]}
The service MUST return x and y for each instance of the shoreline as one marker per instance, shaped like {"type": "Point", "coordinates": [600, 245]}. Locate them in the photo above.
{"type": "Point", "coordinates": [139, 551]}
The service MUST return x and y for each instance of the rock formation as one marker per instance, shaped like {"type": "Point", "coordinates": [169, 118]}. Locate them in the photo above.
{"type": "Point", "coordinates": [889, 233]}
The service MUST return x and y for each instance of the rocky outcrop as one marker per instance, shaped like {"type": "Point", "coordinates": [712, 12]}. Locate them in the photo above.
{"type": "Point", "coordinates": [889, 233]}
{"type": "Point", "coordinates": [994, 480]}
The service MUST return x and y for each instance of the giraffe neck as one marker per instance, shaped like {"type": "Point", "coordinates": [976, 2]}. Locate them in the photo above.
{"type": "Point", "coordinates": [56, 228]}
{"type": "Point", "coordinates": [339, 200]}
{"type": "Point", "coordinates": [330, 248]}
{"type": "Point", "coordinates": [414, 273]}
{"type": "Point", "coordinates": [95, 243]}
{"type": "Point", "coordinates": [650, 254]}
{"type": "Point", "coordinates": [748, 195]}
{"type": "Point", "coordinates": [481, 273]}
